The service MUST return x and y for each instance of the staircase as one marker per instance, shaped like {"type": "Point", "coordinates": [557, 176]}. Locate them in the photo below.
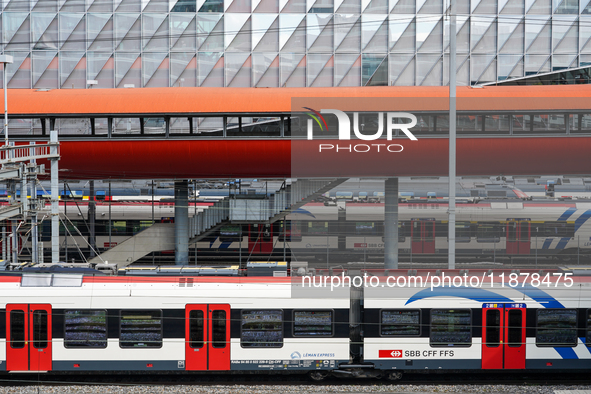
{"type": "Point", "coordinates": [242, 208]}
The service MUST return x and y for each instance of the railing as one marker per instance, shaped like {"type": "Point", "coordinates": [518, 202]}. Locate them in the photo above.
{"type": "Point", "coordinates": [20, 153]}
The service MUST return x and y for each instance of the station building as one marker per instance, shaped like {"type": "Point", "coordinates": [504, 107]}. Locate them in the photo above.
{"type": "Point", "coordinates": [286, 43]}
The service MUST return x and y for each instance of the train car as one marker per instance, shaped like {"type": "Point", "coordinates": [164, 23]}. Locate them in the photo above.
{"type": "Point", "coordinates": [64, 322]}
{"type": "Point", "coordinates": [386, 323]}
{"type": "Point", "coordinates": [493, 320]}
{"type": "Point", "coordinates": [485, 229]}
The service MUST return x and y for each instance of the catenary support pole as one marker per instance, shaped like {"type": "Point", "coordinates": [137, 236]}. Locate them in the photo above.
{"type": "Point", "coordinates": [55, 210]}
{"type": "Point", "coordinates": [181, 222]}
{"type": "Point", "coordinates": [391, 224]}
{"type": "Point", "coordinates": [92, 219]}
{"type": "Point", "coordinates": [452, 137]}
{"type": "Point", "coordinates": [34, 229]}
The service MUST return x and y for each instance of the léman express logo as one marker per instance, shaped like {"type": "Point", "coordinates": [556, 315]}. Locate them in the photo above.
{"type": "Point", "coordinates": [344, 130]}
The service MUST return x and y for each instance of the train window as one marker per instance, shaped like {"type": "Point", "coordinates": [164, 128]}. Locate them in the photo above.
{"type": "Point", "coordinates": [400, 322]}
{"type": "Point", "coordinates": [588, 339]}
{"type": "Point", "coordinates": [141, 328]}
{"type": "Point", "coordinates": [463, 233]}
{"type": "Point", "coordinates": [118, 227]}
{"type": "Point", "coordinates": [218, 324]}
{"type": "Point", "coordinates": [312, 323]}
{"type": "Point", "coordinates": [40, 329]}
{"type": "Point", "coordinates": [17, 329]}
{"type": "Point", "coordinates": [557, 327]}
{"type": "Point", "coordinates": [559, 230]}
{"type": "Point", "coordinates": [140, 225]}
{"type": "Point", "coordinates": [511, 231]}
{"type": "Point", "coordinates": [365, 228]}
{"type": "Point", "coordinates": [85, 328]}
{"type": "Point", "coordinates": [230, 233]}
{"type": "Point", "coordinates": [493, 328]}
{"type": "Point", "coordinates": [488, 232]}
{"type": "Point", "coordinates": [196, 329]}
{"type": "Point", "coordinates": [451, 327]}
{"type": "Point", "coordinates": [318, 228]}
{"type": "Point", "coordinates": [262, 328]}
{"type": "Point", "coordinates": [515, 328]}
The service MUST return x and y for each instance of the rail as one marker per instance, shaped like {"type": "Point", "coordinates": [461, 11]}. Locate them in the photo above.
{"type": "Point", "coordinates": [21, 153]}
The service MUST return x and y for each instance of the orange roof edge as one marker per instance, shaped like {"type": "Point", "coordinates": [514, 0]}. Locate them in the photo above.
{"type": "Point", "coordinates": [182, 100]}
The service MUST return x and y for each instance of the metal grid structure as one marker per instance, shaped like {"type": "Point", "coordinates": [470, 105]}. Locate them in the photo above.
{"type": "Point", "coordinates": [294, 43]}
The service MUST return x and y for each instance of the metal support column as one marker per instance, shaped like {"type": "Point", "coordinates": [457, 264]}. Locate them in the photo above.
{"type": "Point", "coordinates": [55, 210]}
{"type": "Point", "coordinates": [391, 224]}
{"type": "Point", "coordinates": [14, 239]}
{"type": "Point", "coordinates": [181, 222]}
{"type": "Point", "coordinates": [452, 137]}
{"type": "Point", "coordinates": [91, 219]}
{"type": "Point", "coordinates": [34, 224]}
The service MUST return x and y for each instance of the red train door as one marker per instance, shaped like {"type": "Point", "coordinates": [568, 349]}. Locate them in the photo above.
{"type": "Point", "coordinates": [28, 337]}
{"type": "Point", "coordinates": [503, 336]}
{"type": "Point", "coordinates": [260, 238]}
{"type": "Point", "coordinates": [422, 235]}
{"type": "Point", "coordinates": [518, 237]}
{"type": "Point", "coordinates": [207, 337]}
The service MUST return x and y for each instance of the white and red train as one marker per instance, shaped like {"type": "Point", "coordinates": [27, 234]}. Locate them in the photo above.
{"type": "Point", "coordinates": [509, 320]}
{"type": "Point", "coordinates": [485, 229]}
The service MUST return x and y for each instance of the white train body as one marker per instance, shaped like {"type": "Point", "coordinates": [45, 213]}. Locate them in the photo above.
{"type": "Point", "coordinates": [478, 320]}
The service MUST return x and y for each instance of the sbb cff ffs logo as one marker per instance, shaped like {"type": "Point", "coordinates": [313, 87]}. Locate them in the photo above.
{"type": "Point", "coordinates": [390, 354]}
{"type": "Point", "coordinates": [344, 130]}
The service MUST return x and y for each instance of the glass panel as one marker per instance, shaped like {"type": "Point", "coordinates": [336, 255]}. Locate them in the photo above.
{"type": "Point", "coordinates": [400, 323]}
{"type": "Point", "coordinates": [141, 329]}
{"type": "Point", "coordinates": [451, 327]}
{"type": "Point", "coordinates": [488, 232]}
{"type": "Point", "coordinates": [180, 125]}
{"type": "Point", "coordinates": [262, 328]}
{"type": "Point", "coordinates": [493, 328]}
{"type": "Point", "coordinates": [126, 126]}
{"type": "Point", "coordinates": [17, 329]}
{"type": "Point", "coordinates": [85, 328]}
{"type": "Point", "coordinates": [196, 329]}
{"type": "Point", "coordinates": [514, 328]}
{"type": "Point", "coordinates": [511, 231]}
{"type": "Point", "coordinates": [312, 323]}
{"type": "Point", "coordinates": [155, 32]}
{"type": "Point", "coordinates": [580, 123]}
{"type": "Point", "coordinates": [73, 126]}
{"type": "Point", "coordinates": [496, 124]}
{"type": "Point", "coordinates": [40, 329]}
{"type": "Point", "coordinates": [524, 231]}
{"type": "Point", "coordinates": [210, 127]}
{"type": "Point", "coordinates": [101, 126]}
{"type": "Point", "coordinates": [557, 327]}
{"type": "Point", "coordinates": [219, 329]}
{"type": "Point", "coordinates": [100, 32]}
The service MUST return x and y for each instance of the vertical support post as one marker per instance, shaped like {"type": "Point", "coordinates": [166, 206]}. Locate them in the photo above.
{"type": "Point", "coordinates": [66, 232]}
{"type": "Point", "coordinates": [34, 224]}
{"type": "Point", "coordinates": [110, 227]}
{"type": "Point", "coordinates": [92, 219]}
{"type": "Point", "coordinates": [391, 224]}
{"type": "Point", "coordinates": [13, 227]}
{"type": "Point", "coordinates": [55, 210]}
{"type": "Point", "coordinates": [4, 244]}
{"type": "Point", "coordinates": [452, 137]}
{"type": "Point", "coordinates": [181, 222]}
{"type": "Point", "coordinates": [5, 102]}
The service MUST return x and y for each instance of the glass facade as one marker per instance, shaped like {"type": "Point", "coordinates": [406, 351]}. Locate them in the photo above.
{"type": "Point", "coordinates": [294, 43]}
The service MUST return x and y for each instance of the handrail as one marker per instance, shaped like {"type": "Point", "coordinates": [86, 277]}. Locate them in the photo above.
{"type": "Point", "coordinates": [21, 153]}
